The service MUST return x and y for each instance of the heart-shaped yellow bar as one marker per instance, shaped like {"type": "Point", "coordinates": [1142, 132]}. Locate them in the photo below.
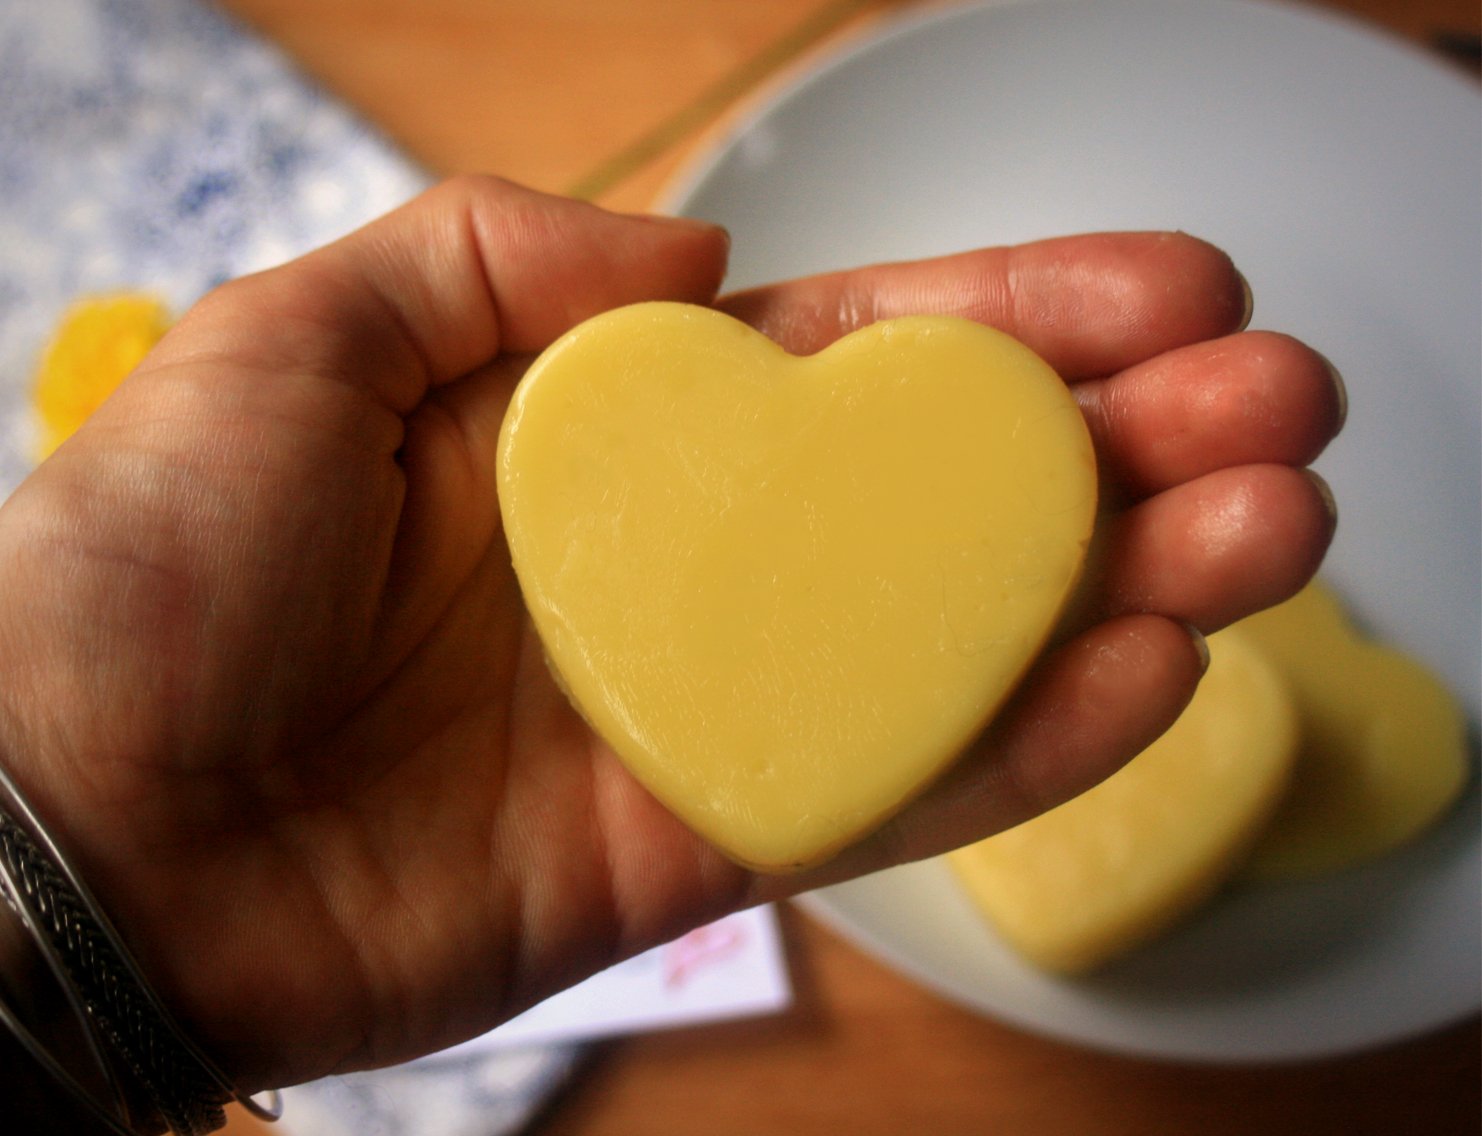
{"type": "Point", "coordinates": [788, 591]}
{"type": "Point", "coordinates": [1384, 743]}
{"type": "Point", "coordinates": [1087, 882]}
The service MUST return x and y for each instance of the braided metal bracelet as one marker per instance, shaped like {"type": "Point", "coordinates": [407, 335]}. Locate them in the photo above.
{"type": "Point", "coordinates": [69, 927]}
{"type": "Point", "coordinates": [59, 1074]}
{"type": "Point", "coordinates": [94, 1042]}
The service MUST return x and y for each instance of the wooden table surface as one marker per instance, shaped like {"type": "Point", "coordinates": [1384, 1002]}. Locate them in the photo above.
{"type": "Point", "coordinates": [606, 99]}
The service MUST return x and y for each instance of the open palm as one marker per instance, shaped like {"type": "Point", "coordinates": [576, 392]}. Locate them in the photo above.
{"type": "Point", "coordinates": [268, 673]}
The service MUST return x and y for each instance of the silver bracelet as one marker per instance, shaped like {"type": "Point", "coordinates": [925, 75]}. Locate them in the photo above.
{"type": "Point", "coordinates": [113, 1123]}
{"type": "Point", "coordinates": [182, 1083]}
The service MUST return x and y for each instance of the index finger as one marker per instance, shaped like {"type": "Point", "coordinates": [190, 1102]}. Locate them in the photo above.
{"type": "Point", "coordinates": [1089, 305]}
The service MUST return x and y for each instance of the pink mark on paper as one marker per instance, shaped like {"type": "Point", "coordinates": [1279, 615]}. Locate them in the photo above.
{"type": "Point", "coordinates": [699, 950]}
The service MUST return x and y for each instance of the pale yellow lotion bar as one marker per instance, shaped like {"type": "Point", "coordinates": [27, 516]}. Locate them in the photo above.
{"type": "Point", "coordinates": [1383, 752]}
{"type": "Point", "coordinates": [787, 591]}
{"type": "Point", "coordinates": [1085, 883]}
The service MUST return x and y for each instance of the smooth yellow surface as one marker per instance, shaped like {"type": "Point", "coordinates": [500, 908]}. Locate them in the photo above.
{"type": "Point", "coordinates": [98, 341]}
{"type": "Point", "coordinates": [1078, 886]}
{"type": "Point", "coordinates": [1383, 742]}
{"type": "Point", "coordinates": [788, 590]}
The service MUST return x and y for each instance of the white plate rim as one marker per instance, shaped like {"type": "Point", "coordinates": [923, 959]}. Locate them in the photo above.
{"type": "Point", "coordinates": [827, 905]}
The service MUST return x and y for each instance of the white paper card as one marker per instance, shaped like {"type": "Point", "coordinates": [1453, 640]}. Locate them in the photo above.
{"type": "Point", "coordinates": [731, 968]}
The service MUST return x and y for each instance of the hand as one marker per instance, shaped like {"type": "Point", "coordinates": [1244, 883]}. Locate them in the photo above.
{"type": "Point", "coordinates": [268, 675]}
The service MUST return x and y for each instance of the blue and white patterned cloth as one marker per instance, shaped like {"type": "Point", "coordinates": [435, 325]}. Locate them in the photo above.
{"type": "Point", "coordinates": [157, 145]}
{"type": "Point", "coordinates": [473, 1096]}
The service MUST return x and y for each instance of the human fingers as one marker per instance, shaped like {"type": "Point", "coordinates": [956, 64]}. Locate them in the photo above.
{"type": "Point", "coordinates": [1251, 398]}
{"type": "Point", "coordinates": [1090, 305]}
{"type": "Point", "coordinates": [1212, 550]}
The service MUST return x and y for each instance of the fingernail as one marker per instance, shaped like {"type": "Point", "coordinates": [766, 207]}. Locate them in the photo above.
{"type": "Point", "coordinates": [1325, 491]}
{"type": "Point", "coordinates": [1250, 302]}
{"type": "Point", "coordinates": [1201, 646]}
{"type": "Point", "coordinates": [693, 224]}
{"type": "Point", "coordinates": [1340, 388]}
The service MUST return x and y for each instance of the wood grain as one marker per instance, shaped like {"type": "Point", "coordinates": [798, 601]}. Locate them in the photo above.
{"type": "Point", "coordinates": [547, 92]}
{"type": "Point", "coordinates": [868, 1054]}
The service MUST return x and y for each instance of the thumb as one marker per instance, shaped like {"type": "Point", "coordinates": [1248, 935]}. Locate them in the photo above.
{"type": "Point", "coordinates": [473, 268]}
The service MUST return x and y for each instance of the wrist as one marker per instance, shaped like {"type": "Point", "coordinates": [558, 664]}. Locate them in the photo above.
{"type": "Point", "coordinates": [40, 1102]}
{"type": "Point", "coordinates": [134, 1041]}
{"type": "Point", "coordinates": [52, 1061]}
